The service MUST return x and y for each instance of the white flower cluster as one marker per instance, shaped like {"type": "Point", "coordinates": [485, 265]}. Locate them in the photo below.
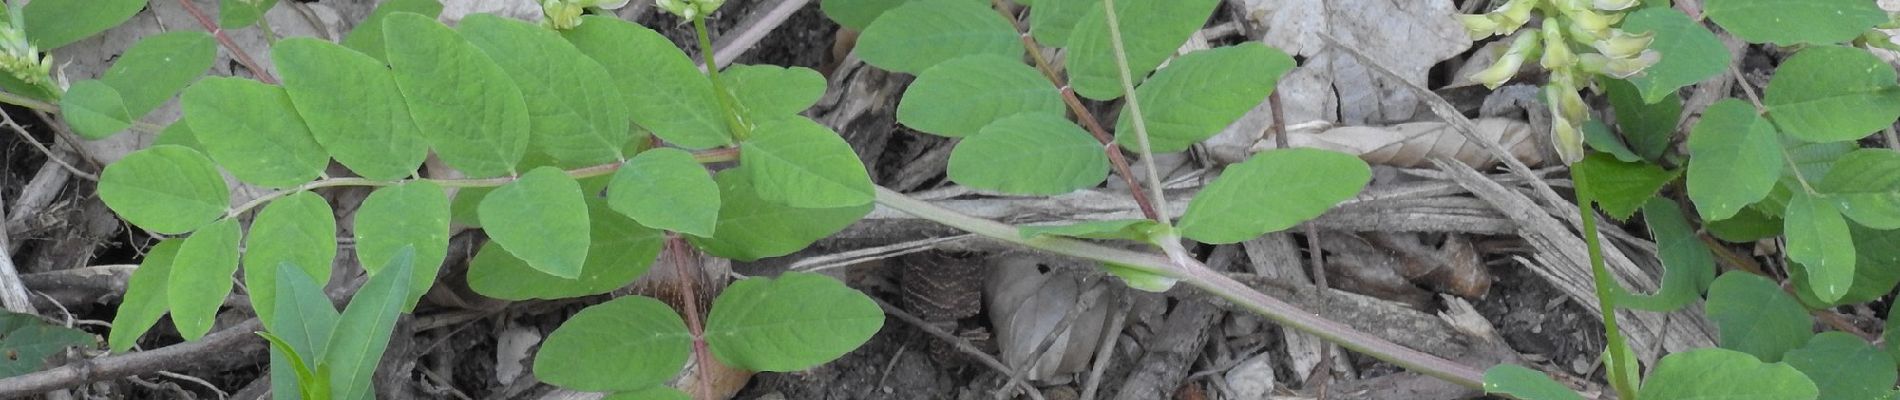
{"type": "Point", "coordinates": [1584, 24]}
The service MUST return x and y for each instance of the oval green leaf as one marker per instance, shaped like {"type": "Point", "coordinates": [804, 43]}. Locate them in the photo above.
{"type": "Point", "coordinates": [414, 215]}
{"type": "Point", "coordinates": [146, 76]}
{"type": "Point", "coordinates": [464, 104]}
{"type": "Point", "coordinates": [664, 90]}
{"type": "Point", "coordinates": [254, 131]}
{"type": "Point", "coordinates": [242, 13]}
{"type": "Point", "coordinates": [201, 277]}
{"type": "Point", "coordinates": [1053, 21]}
{"type": "Point", "coordinates": [1030, 154]}
{"type": "Point", "coordinates": [1725, 168]}
{"type": "Point", "coordinates": [51, 24]}
{"type": "Point", "coordinates": [1619, 188]}
{"type": "Point", "coordinates": [541, 218]}
{"type": "Point", "coordinates": [167, 189]}
{"type": "Point", "coordinates": [1691, 52]}
{"type": "Point", "coordinates": [959, 97]}
{"type": "Point", "coordinates": [619, 251]}
{"type": "Point", "coordinates": [1789, 22]}
{"type": "Point", "coordinates": [1151, 31]}
{"type": "Point", "coordinates": [1832, 94]}
{"type": "Point", "coordinates": [1753, 315]}
{"type": "Point", "coordinates": [1525, 384]}
{"type": "Point", "coordinates": [353, 107]}
{"type": "Point", "coordinates": [629, 343]}
{"type": "Point", "coordinates": [145, 299]}
{"type": "Point", "coordinates": [95, 110]}
{"type": "Point", "coordinates": [574, 117]}
{"type": "Point", "coordinates": [1688, 265]}
{"type": "Point", "coordinates": [765, 93]}
{"type": "Point", "coordinates": [751, 228]}
{"type": "Point", "coordinates": [921, 34]}
{"type": "Point", "coordinates": [1274, 190]}
{"type": "Point", "coordinates": [1818, 239]}
{"type": "Point", "coordinates": [751, 322]}
{"type": "Point", "coordinates": [799, 163]}
{"type": "Point", "coordinates": [1719, 374]}
{"type": "Point", "coordinates": [1843, 366]}
{"type": "Point", "coordinates": [666, 189]}
{"type": "Point", "coordinates": [368, 35]}
{"type": "Point", "coordinates": [1202, 93]}
{"type": "Point", "coordinates": [299, 230]}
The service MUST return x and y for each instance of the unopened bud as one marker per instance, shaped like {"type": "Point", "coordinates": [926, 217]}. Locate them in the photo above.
{"type": "Point", "coordinates": [1507, 65]}
{"type": "Point", "coordinates": [1615, 5]}
{"type": "Point", "coordinates": [1622, 44]}
{"type": "Point", "coordinates": [1479, 26]}
{"type": "Point", "coordinates": [1557, 54]}
{"type": "Point", "coordinates": [1514, 14]}
{"type": "Point", "coordinates": [1566, 136]}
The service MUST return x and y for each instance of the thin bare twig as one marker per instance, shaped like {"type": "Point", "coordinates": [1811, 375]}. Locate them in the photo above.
{"type": "Point", "coordinates": [961, 345]}
{"type": "Point", "coordinates": [187, 354]}
{"type": "Point", "coordinates": [7, 120]}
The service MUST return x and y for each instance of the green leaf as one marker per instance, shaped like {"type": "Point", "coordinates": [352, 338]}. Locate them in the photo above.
{"type": "Point", "coordinates": [1030, 154]}
{"type": "Point", "coordinates": [1818, 239]}
{"type": "Point", "coordinates": [1690, 52]}
{"type": "Point", "coordinates": [629, 343]}
{"type": "Point", "coordinates": [959, 97]}
{"type": "Point", "coordinates": [1053, 21]}
{"type": "Point", "coordinates": [1749, 225]}
{"type": "Point", "coordinates": [1845, 367]}
{"type": "Point", "coordinates": [1621, 187]}
{"type": "Point", "coordinates": [1832, 94]}
{"type": "Point", "coordinates": [465, 104]}
{"type": "Point", "coordinates": [145, 299]}
{"type": "Point", "coordinates": [254, 131]}
{"type": "Point", "coordinates": [1201, 93]}
{"type": "Point", "coordinates": [51, 24]}
{"type": "Point", "coordinates": [179, 135]}
{"type": "Point", "coordinates": [299, 230]}
{"type": "Point", "coordinates": [751, 228]}
{"type": "Point", "coordinates": [1718, 374]}
{"type": "Point", "coordinates": [353, 107]}
{"type": "Point", "coordinates": [310, 318]}
{"type": "Point", "coordinates": [921, 34]}
{"type": "Point", "coordinates": [664, 90]}
{"type": "Point", "coordinates": [767, 92]}
{"type": "Point", "coordinates": [1525, 383]}
{"type": "Point", "coordinates": [858, 14]}
{"type": "Point", "coordinates": [1863, 186]}
{"type": "Point", "coordinates": [26, 342]}
{"type": "Point", "coordinates": [1151, 31]}
{"type": "Point", "coordinates": [1688, 266]}
{"type": "Point", "coordinates": [202, 277]}
{"type": "Point", "coordinates": [288, 365]}
{"type": "Point", "coordinates": [1140, 230]}
{"type": "Point", "coordinates": [1272, 191]}
{"type": "Point", "coordinates": [242, 13]}
{"type": "Point", "coordinates": [1726, 167]}
{"type": "Point", "coordinates": [368, 321]}
{"type": "Point", "coordinates": [1598, 136]}
{"type": "Point", "coordinates": [665, 188]}
{"type": "Point", "coordinates": [1818, 21]}
{"type": "Point", "coordinates": [368, 35]}
{"type": "Point", "coordinates": [1891, 332]}
{"type": "Point", "coordinates": [142, 79]}
{"type": "Point", "coordinates": [799, 163]}
{"type": "Point", "coordinates": [618, 252]}
{"type": "Point", "coordinates": [166, 189]}
{"type": "Point", "coordinates": [752, 320]}
{"type": "Point", "coordinates": [1754, 316]}
{"type": "Point", "coordinates": [653, 393]}
{"type": "Point", "coordinates": [1139, 279]}
{"type": "Point", "coordinates": [95, 110]}
{"type": "Point", "coordinates": [574, 117]}
{"type": "Point", "coordinates": [413, 215]}
{"type": "Point", "coordinates": [1648, 126]}
{"type": "Point", "coordinates": [541, 218]}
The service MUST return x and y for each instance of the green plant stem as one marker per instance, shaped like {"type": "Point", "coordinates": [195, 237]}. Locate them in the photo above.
{"type": "Point", "coordinates": [739, 129]}
{"type": "Point", "coordinates": [27, 102]}
{"type": "Point", "coordinates": [1134, 106]}
{"type": "Point", "coordinates": [1619, 347]}
{"type": "Point", "coordinates": [1198, 275]}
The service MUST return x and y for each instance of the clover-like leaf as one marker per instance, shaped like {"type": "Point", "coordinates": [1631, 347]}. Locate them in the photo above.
{"type": "Point", "coordinates": [1201, 93]}
{"type": "Point", "coordinates": [1031, 154]}
{"type": "Point", "coordinates": [1832, 94]}
{"type": "Point", "coordinates": [413, 215]}
{"type": "Point", "coordinates": [628, 343]}
{"type": "Point", "coordinates": [1725, 171]}
{"type": "Point", "coordinates": [464, 104]}
{"type": "Point", "coordinates": [751, 322]}
{"type": "Point", "coordinates": [299, 230]}
{"type": "Point", "coordinates": [752, 228]}
{"type": "Point", "coordinates": [802, 164]}
{"type": "Point", "coordinates": [666, 189]}
{"type": "Point", "coordinates": [254, 131]}
{"type": "Point", "coordinates": [1272, 191]}
{"type": "Point", "coordinates": [167, 189]}
{"type": "Point", "coordinates": [201, 277]}
{"type": "Point", "coordinates": [145, 299]}
{"type": "Point", "coordinates": [921, 34]}
{"type": "Point", "coordinates": [664, 90]}
{"type": "Point", "coordinates": [1151, 30]}
{"type": "Point", "coordinates": [353, 107]}
{"type": "Point", "coordinates": [959, 97]}
{"type": "Point", "coordinates": [575, 118]}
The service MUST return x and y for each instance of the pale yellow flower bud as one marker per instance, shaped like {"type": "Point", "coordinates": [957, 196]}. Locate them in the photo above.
{"type": "Point", "coordinates": [1507, 65]}
{"type": "Point", "coordinates": [1557, 54]}
{"type": "Point", "coordinates": [1622, 44]}
{"type": "Point", "coordinates": [1479, 26]}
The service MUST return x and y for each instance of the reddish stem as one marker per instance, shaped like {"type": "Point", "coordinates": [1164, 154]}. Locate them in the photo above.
{"type": "Point", "coordinates": [225, 40]}
{"type": "Point", "coordinates": [683, 256]}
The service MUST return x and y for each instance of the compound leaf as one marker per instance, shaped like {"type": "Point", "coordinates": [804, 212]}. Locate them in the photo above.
{"type": "Point", "coordinates": [1151, 30]}
{"type": "Point", "coordinates": [464, 104]}
{"type": "Point", "coordinates": [413, 215]}
{"type": "Point", "coordinates": [353, 107]}
{"type": "Point", "coordinates": [201, 277]}
{"type": "Point", "coordinates": [1725, 170]}
{"type": "Point", "coordinates": [1832, 93]}
{"type": "Point", "coordinates": [921, 34]}
{"type": "Point", "coordinates": [664, 90]}
{"type": "Point", "coordinates": [145, 299]}
{"type": "Point", "coordinates": [575, 119]}
{"type": "Point", "coordinates": [799, 163]}
{"type": "Point", "coordinates": [628, 343]}
{"type": "Point", "coordinates": [1030, 154]}
{"type": "Point", "coordinates": [167, 189]}
{"type": "Point", "coordinates": [666, 189]}
{"type": "Point", "coordinates": [541, 218]}
{"type": "Point", "coordinates": [753, 320]}
{"type": "Point", "coordinates": [299, 230]}
{"type": "Point", "coordinates": [619, 251]}
{"type": "Point", "coordinates": [1274, 190]}
{"type": "Point", "coordinates": [254, 131]}
{"type": "Point", "coordinates": [1201, 93]}
{"type": "Point", "coordinates": [959, 97]}
{"type": "Point", "coordinates": [752, 228]}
